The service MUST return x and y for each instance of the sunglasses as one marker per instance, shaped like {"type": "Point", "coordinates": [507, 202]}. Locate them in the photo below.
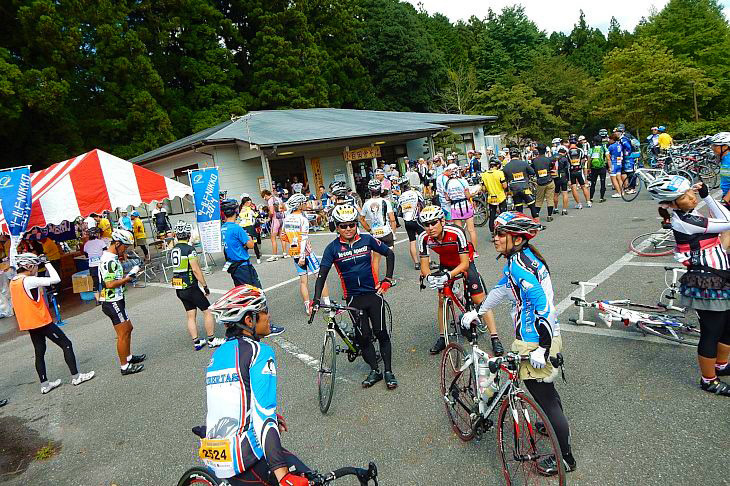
{"type": "Point", "coordinates": [428, 224]}
{"type": "Point", "coordinates": [346, 225]}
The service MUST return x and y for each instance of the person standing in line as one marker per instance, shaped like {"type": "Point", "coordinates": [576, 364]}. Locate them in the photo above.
{"type": "Point", "coordinates": [276, 217]}
{"type": "Point", "coordinates": [236, 244]}
{"type": "Point", "coordinates": [410, 204]}
{"type": "Point", "coordinates": [248, 214]}
{"type": "Point", "coordinates": [140, 236]}
{"type": "Point", "coordinates": [112, 279]}
{"type": "Point", "coordinates": [32, 314]}
{"type": "Point", "coordinates": [616, 154]}
{"type": "Point", "coordinates": [545, 190]}
{"type": "Point", "coordinates": [495, 185]}
{"type": "Point", "coordinates": [94, 248]}
{"type": "Point", "coordinates": [597, 162]}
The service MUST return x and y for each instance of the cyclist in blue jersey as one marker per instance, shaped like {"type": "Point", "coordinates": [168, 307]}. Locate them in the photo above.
{"type": "Point", "coordinates": [721, 148]}
{"type": "Point", "coordinates": [526, 282]}
{"type": "Point", "coordinates": [630, 154]}
{"type": "Point", "coordinates": [241, 435]}
{"type": "Point", "coordinates": [617, 159]}
{"type": "Point", "coordinates": [236, 243]}
{"type": "Point", "coordinates": [351, 254]}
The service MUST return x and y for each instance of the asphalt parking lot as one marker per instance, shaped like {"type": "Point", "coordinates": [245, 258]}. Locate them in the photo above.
{"type": "Point", "coordinates": [636, 413]}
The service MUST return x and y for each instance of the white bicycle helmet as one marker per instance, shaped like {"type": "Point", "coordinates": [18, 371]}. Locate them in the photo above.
{"type": "Point", "coordinates": [26, 260]}
{"type": "Point", "coordinates": [668, 187]}
{"type": "Point", "coordinates": [122, 236]}
{"type": "Point", "coordinates": [722, 138]}
{"type": "Point", "coordinates": [183, 230]}
{"type": "Point", "coordinates": [295, 201]}
{"type": "Point", "coordinates": [345, 213]}
{"type": "Point", "coordinates": [430, 213]}
{"type": "Point", "coordinates": [375, 185]}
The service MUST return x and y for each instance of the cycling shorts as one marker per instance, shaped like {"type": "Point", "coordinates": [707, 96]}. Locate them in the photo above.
{"type": "Point", "coordinates": [474, 284]}
{"type": "Point", "coordinates": [560, 185]}
{"type": "Point", "coordinates": [388, 240]}
{"type": "Point", "coordinates": [116, 311]}
{"type": "Point", "coordinates": [616, 167]}
{"type": "Point", "coordinates": [577, 178]}
{"type": "Point", "coordinates": [523, 197]}
{"type": "Point", "coordinates": [311, 264]}
{"type": "Point", "coordinates": [373, 308]}
{"type": "Point", "coordinates": [260, 475]}
{"type": "Point", "coordinates": [94, 272]}
{"type": "Point", "coordinates": [413, 229]}
{"type": "Point", "coordinates": [193, 298]}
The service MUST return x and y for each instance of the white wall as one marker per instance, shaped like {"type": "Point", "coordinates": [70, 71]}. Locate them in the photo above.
{"type": "Point", "coordinates": [415, 149]}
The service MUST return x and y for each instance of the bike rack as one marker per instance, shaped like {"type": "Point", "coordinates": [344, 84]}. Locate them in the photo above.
{"type": "Point", "coordinates": [581, 310]}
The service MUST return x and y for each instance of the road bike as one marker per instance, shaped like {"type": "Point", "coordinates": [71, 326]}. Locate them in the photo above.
{"type": "Point", "coordinates": [631, 186]}
{"type": "Point", "coordinates": [481, 208]}
{"type": "Point", "coordinates": [474, 386]}
{"type": "Point", "coordinates": [656, 243]}
{"type": "Point", "coordinates": [201, 476]}
{"type": "Point", "coordinates": [666, 326]}
{"type": "Point", "coordinates": [327, 369]}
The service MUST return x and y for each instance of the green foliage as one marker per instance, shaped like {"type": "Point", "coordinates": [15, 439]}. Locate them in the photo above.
{"type": "Point", "coordinates": [447, 142]}
{"type": "Point", "coordinates": [687, 130]}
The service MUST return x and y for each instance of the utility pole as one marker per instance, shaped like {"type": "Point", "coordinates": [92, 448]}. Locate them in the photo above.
{"type": "Point", "coordinates": [694, 95]}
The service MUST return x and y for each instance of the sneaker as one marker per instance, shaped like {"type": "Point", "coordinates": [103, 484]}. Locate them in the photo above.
{"type": "Point", "coordinates": [589, 204]}
{"type": "Point", "coordinates": [631, 191]}
{"type": "Point", "coordinates": [616, 195]}
{"type": "Point", "coordinates": [373, 377]}
{"type": "Point", "coordinates": [481, 328]}
{"type": "Point", "coordinates": [602, 200]}
{"type": "Point", "coordinates": [476, 254]}
{"type": "Point", "coordinates": [275, 331]}
{"type": "Point", "coordinates": [439, 346]}
{"type": "Point", "coordinates": [258, 260]}
{"type": "Point", "coordinates": [215, 342]}
{"type": "Point", "coordinates": [132, 369]}
{"type": "Point", "coordinates": [578, 206]}
{"type": "Point", "coordinates": [199, 344]}
{"type": "Point", "coordinates": [416, 266]}
{"type": "Point", "coordinates": [723, 372]}
{"type": "Point", "coordinates": [285, 256]}
{"type": "Point", "coordinates": [390, 380]}
{"type": "Point", "coordinates": [716, 386]}
{"type": "Point", "coordinates": [565, 212]}
{"type": "Point", "coordinates": [3, 402]}
{"type": "Point", "coordinates": [137, 358]}
{"type": "Point", "coordinates": [497, 346]}
{"type": "Point", "coordinates": [272, 258]}
{"type": "Point", "coordinates": [549, 219]}
{"type": "Point", "coordinates": [50, 386]}
{"type": "Point", "coordinates": [549, 467]}
{"type": "Point", "coordinates": [82, 378]}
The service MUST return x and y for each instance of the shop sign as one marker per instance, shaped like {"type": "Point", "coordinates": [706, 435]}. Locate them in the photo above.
{"type": "Point", "coordinates": [362, 153]}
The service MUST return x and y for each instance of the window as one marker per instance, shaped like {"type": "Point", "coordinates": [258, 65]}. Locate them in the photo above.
{"type": "Point", "coordinates": [468, 141]}
{"type": "Point", "coordinates": [177, 205]}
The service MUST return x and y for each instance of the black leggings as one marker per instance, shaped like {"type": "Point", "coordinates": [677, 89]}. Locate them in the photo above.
{"type": "Point", "coordinates": [593, 177]}
{"type": "Point", "coordinates": [256, 236]}
{"type": "Point", "coordinates": [261, 475]}
{"type": "Point", "coordinates": [52, 332]}
{"type": "Point", "coordinates": [374, 309]}
{"type": "Point", "coordinates": [494, 211]}
{"type": "Point", "coordinates": [714, 328]}
{"type": "Point", "coordinates": [547, 397]}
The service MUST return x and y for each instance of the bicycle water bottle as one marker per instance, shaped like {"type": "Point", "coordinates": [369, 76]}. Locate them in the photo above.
{"type": "Point", "coordinates": [458, 292]}
{"type": "Point", "coordinates": [485, 379]}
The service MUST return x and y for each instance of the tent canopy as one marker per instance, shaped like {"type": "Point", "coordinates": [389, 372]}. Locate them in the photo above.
{"type": "Point", "coordinates": [91, 183]}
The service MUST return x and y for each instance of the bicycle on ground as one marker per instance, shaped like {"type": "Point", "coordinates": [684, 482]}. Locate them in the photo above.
{"type": "Point", "coordinates": [327, 370]}
{"type": "Point", "coordinates": [656, 243]}
{"type": "Point", "coordinates": [640, 177]}
{"type": "Point", "coordinates": [474, 386]}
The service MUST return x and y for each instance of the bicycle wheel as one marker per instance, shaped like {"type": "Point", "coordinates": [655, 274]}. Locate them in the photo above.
{"type": "Point", "coordinates": [452, 333]}
{"type": "Point", "coordinates": [708, 175]}
{"type": "Point", "coordinates": [480, 213]}
{"type": "Point", "coordinates": [326, 372]}
{"type": "Point", "coordinates": [626, 184]}
{"type": "Point", "coordinates": [388, 318]}
{"type": "Point", "coordinates": [522, 447]}
{"type": "Point", "coordinates": [198, 476]}
{"type": "Point", "coordinates": [653, 244]}
{"type": "Point", "coordinates": [458, 390]}
{"type": "Point", "coordinates": [684, 173]}
{"type": "Point", "coordinates": [672, 330]}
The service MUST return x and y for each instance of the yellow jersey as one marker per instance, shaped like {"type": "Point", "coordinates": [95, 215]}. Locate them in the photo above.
{"type": "Point", "coordinates": [105, 227]}
{"type": "Point", "coordinates": [248, 216]}
{"type": "Point", "coordinates": [51, 249]}
{"type": "Point", "coordinates": [138, 229]}
{"type": "Point", "coordinates": [664, 141]}
{"type": "Point", "coordinates": [493, 180]}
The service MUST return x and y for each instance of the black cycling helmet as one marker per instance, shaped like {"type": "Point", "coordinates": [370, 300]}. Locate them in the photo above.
{"type": "Point", "coordinates": [514, 151]}
{"type": "Point", "coordinates": [494, 161]}
{"type": "Point", "coordinates": [229, 207]}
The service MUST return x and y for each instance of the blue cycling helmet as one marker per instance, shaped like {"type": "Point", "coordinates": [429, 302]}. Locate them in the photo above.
{"type": "Point", "coordinates": [135, 213]}
{"type": "Point", "coordinates": [662, 128]}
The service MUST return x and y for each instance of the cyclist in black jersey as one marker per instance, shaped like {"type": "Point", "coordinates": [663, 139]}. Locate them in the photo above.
{"type": "Point", "coordinates": [517, 173]}
{"type": "Point", "coordinates": [560, 173]}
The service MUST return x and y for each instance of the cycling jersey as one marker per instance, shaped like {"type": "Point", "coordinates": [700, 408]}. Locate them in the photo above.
{"type": "Point", "coordinates": [516, 173]}
{"type": "Point", "coordinates": [664, 140]}
{"type": "Point", "coordinates": [110, 269]}
{"type": "Point", "coordinates": [452, 245]}
{"type": "Point", "coordinates": [296, 227]}
{"type": "Point", "coordinates": [493, 179]}
{"type": "Point", "coordinates": [725, 173]}
{"type": "Point", "coordinates": [241, 423]}
{"type": "Point", "coordinates": [182, 273]}
{"type": "Point", "coordinates": [598, 157]}
{"type": "Point", "coordinates": [455, 189]}
{"type": "Point", "coordinates": [526, 282]}
{"type": "Point", "coordinates": [138, 229]}
{"type": "Point", "coordinates": [248, 216]}
{"type": "Point", "coordinates": [575, 156]}
{"type": "Point", "coordinates": [441, 190]}
{"type": "Point", "coordinates": [542, 167]}
{"type": "Point", "coordinates": [94, 249]}
{"type": "Point", "coordinates": [234, 242]}
{"type": "Point", "coordinates": [353, 263]}
{"type": "Point", "coordinates": [376, 211]}
{"type": "Point", "coordinates": [697, 237]}
{"type": "Point", "coordinates": [410, 203]}
{"type": "Point", "coordinates": [105, 227]}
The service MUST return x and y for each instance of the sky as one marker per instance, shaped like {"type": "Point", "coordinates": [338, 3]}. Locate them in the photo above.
{"type": "Point", "coordinates": [555, 15]}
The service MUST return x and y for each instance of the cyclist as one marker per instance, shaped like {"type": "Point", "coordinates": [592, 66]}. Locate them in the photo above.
{"type": "Point", "coordinates": [615, 152]}
{"type": "Point", "coordinates": [162, 221]}
{"type": "Point", "coordinates": [664, 139]}
{"type": "Point", "coordinates": [94, 248]}
{"type": "Point", "coordinates": [241, 387]}
{"type": "Point", "coordinates": [495, 184]}
{"type": "Point", "coordinates": [630, 148]}
{"type": "Point", "coordinates": [561, 176]}
{"type": "Point", "coordinates": [456, 256]}
{"type": "Point", "coordinates": [112, 279]}
{"type": "Point", "coordinates": [276, 217]}
{"type": "Point", "coordinates": [721, 148]}
{"type": "Point", "coordinates": [104, 225]}
{"type": "Point", "coordinates": [705, 287]}
{"type": "Point", "coordinates": [296, 232]}
{"type": "Point", "coordinates": [598, 158]}
{"type": "Point", "coordinates": [441, 180]}
{"type": "Point", "coordinates": [517, 173]}
{"type": "Point", "coordinates": [603, 133]}
{"type": "Point", "coordinates": [351, 254]}
{"type": "Point", "coordinates": [140, 237]}
{"type": "Point", "coordinates": [577, 157]}
{"type": "Point", "coordinates": [653, 141]}
{"type": "Point", "coordinates": [457, 193]}
{"type": "Point", "coordinates": [248, 215]}
{"type": "Point", "coordinates": [32, 315]}
{"type": "Point", "coordinates": [545, 184]}
{"type": "Point", "coordinates": [341, 195]}
{"type": "Point", "coordinates": [187, 278]}
{"type": "Point", "coordinates": [236, 244]}
{"type": "Point", "coordinates": [410, 204]}
{"type": "Point", "coordinates": [378, 218]}
{"type": "Point", "coordinates": [526, 281]}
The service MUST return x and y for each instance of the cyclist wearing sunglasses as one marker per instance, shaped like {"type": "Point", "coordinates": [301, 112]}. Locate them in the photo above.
{"type": "Point", "coordinates": [456, 256]}
{"type": "Point", "coordinates": [351, 254]}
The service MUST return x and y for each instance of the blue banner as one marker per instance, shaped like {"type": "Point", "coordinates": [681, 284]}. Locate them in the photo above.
{"type": "Point", "coordinates": [205, 190]}
{"type": "Point", "coordinates": [15, 198]}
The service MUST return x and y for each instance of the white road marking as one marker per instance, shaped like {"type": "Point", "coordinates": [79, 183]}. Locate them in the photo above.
{"type": "Point", "coordinates": [652, 264]}
{"type": "Point", "coordinates": [303, 357]}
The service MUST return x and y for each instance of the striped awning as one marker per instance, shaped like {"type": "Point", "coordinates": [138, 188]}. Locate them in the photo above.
{"type": "Point", "coordinates": [91, 183]}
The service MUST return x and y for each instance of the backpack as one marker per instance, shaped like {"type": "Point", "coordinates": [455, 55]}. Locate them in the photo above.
{"type": "Point", "coordinates": [598, 157]}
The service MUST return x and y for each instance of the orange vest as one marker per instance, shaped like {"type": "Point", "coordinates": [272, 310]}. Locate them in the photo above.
{"type": "Point", "coordinates": [29, 313]}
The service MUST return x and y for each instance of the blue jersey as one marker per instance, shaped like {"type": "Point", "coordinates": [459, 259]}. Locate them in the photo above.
{"type": "Point", "coordinates": [526, 282]}
{"type": "Point", "coordinates": [354, 263]}
{"type": "Point", "coordinates": [725, 173]}
{"type": "Point", "coordinates": [234, 242]}
{"type": "Point", "coordinates": [615, 150]}
{"type": "Point", "coordinates": [241, 399]}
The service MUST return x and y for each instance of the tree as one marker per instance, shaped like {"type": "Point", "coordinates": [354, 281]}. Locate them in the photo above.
{"type": "Point", "coordinates": [458, 93]}
{"type": "Point", "coordinates": [643, 100]}
{"type": "Point", "coordinates": [447, 142]}
{"type": "Point", "coordinates": [585, 46]}
{"type": "Point", "coordinates": [521, 114]}
{"type": "Point", "coordinates": [616, 36]}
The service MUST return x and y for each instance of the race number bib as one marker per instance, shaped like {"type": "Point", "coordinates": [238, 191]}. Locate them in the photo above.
{"type": "Point", "coordinates": [216, 453]}
{"type": "Point", "coordinates": [177, 283]}
{"type": "Point", "coordinates": [379, 232]}
{"type": "Point", "coordinates": [407, 206]}
{"type": "Point", "coordinates": [518, 176]}
{"type": "Point", "coordinates": [574, 162]}
{"type": "Point", "coordinates": [542, 173]}
{"type": "Point", "coordinates": [294, 250]}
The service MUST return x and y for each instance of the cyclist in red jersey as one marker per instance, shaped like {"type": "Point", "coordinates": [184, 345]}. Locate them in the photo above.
{"type": "Point", "coordinates": [456, 256]}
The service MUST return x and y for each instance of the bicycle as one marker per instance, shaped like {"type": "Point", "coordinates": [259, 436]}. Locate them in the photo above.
{"type": "Point", "coordinates": [328, 358]}
{"type": "Point", "coordinates": [665, 326]}
{"type": "Point", "coordinates": [656, 243]}
{"type": "Point", "coordinates": [200, 476]}
{"type": "Point", "coordinates": [470, 401]}
{"type": "Point", "coordinates": [639, 177]}
{"type": "Point", "coordinates": [481, 208]}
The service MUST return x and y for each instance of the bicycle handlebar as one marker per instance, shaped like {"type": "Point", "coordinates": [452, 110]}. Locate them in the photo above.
{"type": "Point", "coordinates": [363, 475]}
{"type": "Point", "coordinates": [512, 360]}
{"type": "Point", "coordinates": [334, 306]}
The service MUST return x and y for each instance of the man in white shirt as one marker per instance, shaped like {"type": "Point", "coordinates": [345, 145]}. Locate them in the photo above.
{"type": "Point", "coordinates": [410, 203]}
{"type": "Point", "coordinates": [377, 218]}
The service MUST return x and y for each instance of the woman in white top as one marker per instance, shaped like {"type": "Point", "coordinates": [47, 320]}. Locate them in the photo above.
{"type": "Point", "coordinates": [93, 249]}
{"type": "Point", "coordinates": [456, 190]}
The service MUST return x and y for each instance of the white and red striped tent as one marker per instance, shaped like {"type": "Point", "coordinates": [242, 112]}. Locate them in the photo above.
{"type": "Point", "coordinates": [91, 183]}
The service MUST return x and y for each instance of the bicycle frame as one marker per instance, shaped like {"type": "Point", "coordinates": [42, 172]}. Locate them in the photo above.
{"type": "Point", "coordinates": [449, 296]}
